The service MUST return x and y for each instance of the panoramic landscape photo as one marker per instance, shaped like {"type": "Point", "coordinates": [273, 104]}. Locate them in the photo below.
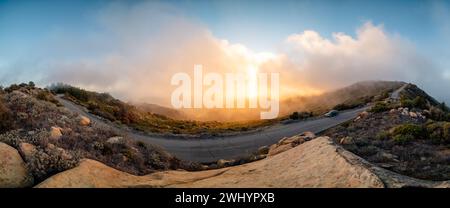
{"type": "Point", "coordinates": [224, 94]}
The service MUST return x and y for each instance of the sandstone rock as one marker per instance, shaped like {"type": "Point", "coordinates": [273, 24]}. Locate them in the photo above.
{"type": "Point", "coordinates": [290, 142]}
{"type": "Point", "coordinates": [405, 112]}
{"type": "Point", "coordinates": [223, 163]}
{"type": "Point", "coordinates": [308, 135]}
{"type": "Point", "coordinates": [27, 150]}
{"type": "Point", "coordinates": [115, 140]}
{"type": "Point", "coordinates": [64, 154]}
{"type": "Point", "coordinates": [55, 132]}
{"type": "Point", "coordinates": [84, 121]}
{"type": "Point", "coordinates": [346, 141]}
{"type": "Point", "coordinates": [387, 156]}
{"type": "Point", "coordinates": [276, 149]}
{"type": "Point", "coordinates": [13, 171]}
{"type": "Point", "coordinates": [413, 115]}
{"type": "Point", "coordinates": [364, 114]}
{"type": "Point", "coordinates": [282, 141]}
{"type": "Point", "coordinates": [318, 163]}
{"type": "Point", "coordinates": [260, 157]}
{"type": "Point", "coordinates": [51, 146]}
{"type": "Point", "coordinates": [393, 111]}
{"type": "Point", "coordinates": [386, 165]}
{"type": "Point", "coordinates": [263, 150]}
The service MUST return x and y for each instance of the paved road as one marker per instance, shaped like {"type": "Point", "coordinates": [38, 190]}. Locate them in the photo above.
{"type": "Point", "coordinates": [396, 94]}
{"type": "Point", "coordinates": [230, 147]}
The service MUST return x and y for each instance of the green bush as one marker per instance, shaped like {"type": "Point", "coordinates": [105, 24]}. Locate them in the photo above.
{"type": "Point", "coordinates": [6, 118]}
{"type": "Point", "coordinates": [343, 106]}
{"type": "Point", "coordinates": [379, 107]}
{"type": "Point", "coordinates": [439, 132]}
{"type": "Point", "coordinates": [446, 132]}
{"type": "Point", "coordinates": [406, 132]}
{"type": "Point", "coordinates": [294, 116]}
{"type": "Point", "coordinates": [300, 115]}
{"type": "Point", "coordinates": [443, 107]}
{"type": "Point", "coordinates": [419, 102]}
{"type": "Point", "coordinates": [47, 96]}
{"type": "Point", "coordinates": [382, 135]}
{"type": "Point", "coordinates": [403, 138]}
{"type": "Point", "coordinates": [437, 114]}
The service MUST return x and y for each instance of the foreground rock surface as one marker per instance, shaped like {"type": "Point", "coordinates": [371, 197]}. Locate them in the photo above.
{"type": "Point", "coordinates": [316, 163]}
{"type": "Point", "coordinates": [13, 172]}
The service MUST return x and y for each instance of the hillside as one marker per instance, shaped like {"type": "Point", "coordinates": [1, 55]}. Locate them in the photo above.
{"type": "Point", "coordinates": [410, 136]}
{"type": "Point", "coordinates": [52, 139]}
{"type": "Point", "coordinates": [355, 95]}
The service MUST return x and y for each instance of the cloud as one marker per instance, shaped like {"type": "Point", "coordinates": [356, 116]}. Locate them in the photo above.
{"type": "Point", "coordinates": [313, 61]}
{"type": "Point", "coordinates": [145, 45]}
{"type": "Point", "coordinates": [371, 55]}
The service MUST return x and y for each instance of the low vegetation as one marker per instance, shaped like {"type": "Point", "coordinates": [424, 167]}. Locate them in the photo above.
{"type": "Point", "coordinates": [6, 117]}
{"type": "Point", "coordinates": [408, 132]}
{"type": "Point", "coordinates": [418, 102]}
{"type": "Point", "coordinates": [380, 107]}
{"type": "Point", "coordinates": [27, 115]}
{"type": "Point", "coordinates": [411, 136]}
{"type": "Point", "coordinates": [300, 115]}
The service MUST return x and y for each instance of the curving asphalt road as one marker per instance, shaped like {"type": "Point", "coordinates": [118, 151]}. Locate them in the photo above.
{"type": "Point", "coordinates": [396, 94]}
{"type": "Point", "coordinates": [229, 147]}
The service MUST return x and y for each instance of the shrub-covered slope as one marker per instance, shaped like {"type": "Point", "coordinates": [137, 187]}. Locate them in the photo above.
{"type": "Point", "coordinates": [52, 139]}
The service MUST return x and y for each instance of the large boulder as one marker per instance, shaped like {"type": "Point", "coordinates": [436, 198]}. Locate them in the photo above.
{"type": "Point", "coordinates": [316, 163]}
{"type": "Point", "coordinates": [13, 171]}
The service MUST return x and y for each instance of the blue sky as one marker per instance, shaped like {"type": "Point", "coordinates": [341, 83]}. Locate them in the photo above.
{"type": "Point", "coordinates": [259, 25]}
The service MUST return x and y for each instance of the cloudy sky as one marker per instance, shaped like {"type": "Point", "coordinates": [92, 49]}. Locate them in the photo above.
{"type": "Point", "coordinates": [132, 48]}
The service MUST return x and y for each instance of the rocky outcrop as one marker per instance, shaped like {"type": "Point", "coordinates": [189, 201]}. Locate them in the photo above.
{"type": "Point", "coordinates": [13, 171]}
{"type": "Point", "coordinates": [288, 143]}
{"type": "Point", "coordinates": [316, 163]}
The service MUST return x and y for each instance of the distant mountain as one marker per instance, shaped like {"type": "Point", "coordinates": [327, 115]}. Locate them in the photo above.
{"type": "Point", "coordinates": [351, 96]}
